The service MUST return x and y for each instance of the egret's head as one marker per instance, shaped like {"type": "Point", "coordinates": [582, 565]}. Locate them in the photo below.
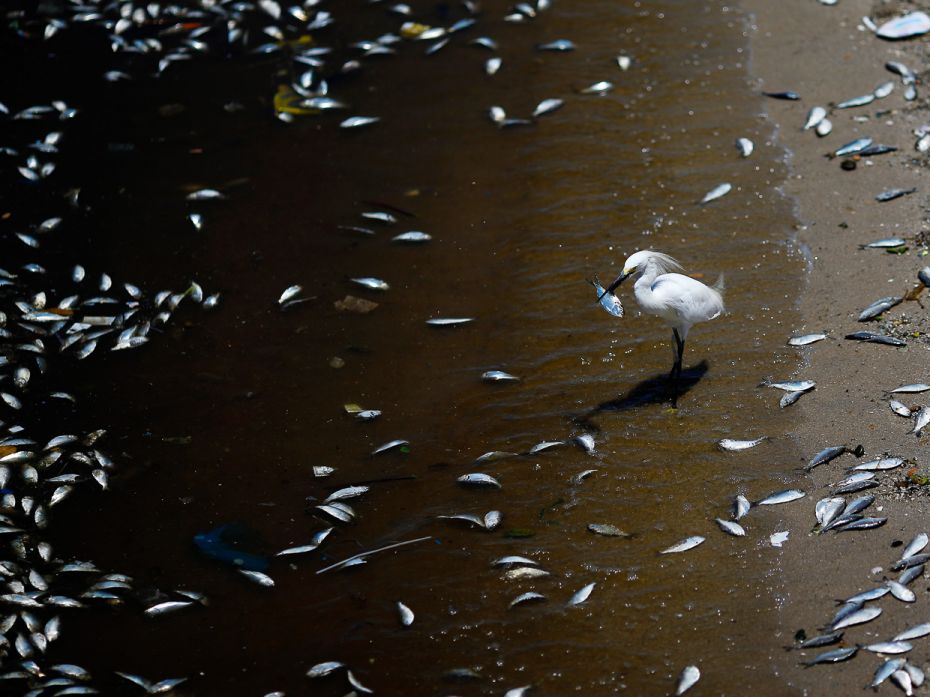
{"type": "Point", "coordinates": [638, 262]}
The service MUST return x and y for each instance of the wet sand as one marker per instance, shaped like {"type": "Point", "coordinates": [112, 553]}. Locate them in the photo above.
{"type": "Point", "coordinates": [822, 53]}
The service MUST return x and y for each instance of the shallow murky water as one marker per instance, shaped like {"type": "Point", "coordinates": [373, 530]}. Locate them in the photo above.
{"type": "Point", "coordinates": [223, 420]}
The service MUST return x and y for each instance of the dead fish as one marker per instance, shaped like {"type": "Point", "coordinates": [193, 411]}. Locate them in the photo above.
{"type": "Point", "coordinates": [166, 607]}
{"type": "Point", "coordinates": [581, 476]}
{"type": "Point", "coordinates": [479, 479]}
{"type": "Point", "coordinates": [412, 237]}
{"type": "Point", "coordinates": [205, 195]}
{"type": "Point", "coordinates": [449, 321]}
{"type": "Point", "coordinates": [883, 90]}
{"type": "Point", "coordinates": [492, 455]}
{"type": "Point", "coordinates": [741, 506]}
{"type": "Point", "coordinates": [498, 376]}
{"type": "Point", "coordinates": [879, 465]}
{"type": "Point", "coordinates": [492, 65]}
{"type": "Point", "coordinates": [824, 456]}
{"type": "Point", "coordinates": [862, 524]}
{"type": "Point", "coordinates": [380, 216]}
{"type": "Point", "coordinates": [889, 647]}
{"type": "Point", "coordinates": [582, 595]}
{"type": "Point", "coordinates": [744, 146]}
{"type": "Point", "coordinates": [856, 101]}
{"type": "Point", "coordinates": [349, 492]}
{"type": "Point", "coordinates": [624, 62]}
{"type": "Point", "coordinates": [853, 147]}
{"type": "Point", "coordinates": [602, 87]}
{"type": "Point", "coordinates": [607, 530]}
{"type": "Point", "coordinates": [814, 117]}
{"type": "Point", "coordinates": [899, 408]}
{"type": "Point", "coordinates": [824, 128]}
{"type": "Point", "coordinates": [484, 42]}
{"type": "Point", "coordinates": [547, 106]}
{"type": "Point", "coordinates": [514, 559]}
{"type": "Point", "coordinates": [873, 338]}
{"type": "Point", "coordinates": [921, 421]}
{"type": "Point", "coordinates": [497, 114]}
{"type": "Point", "coordinates": [735, 445]}
{"type": "Point", "coordinates": [806, 339]}
{"type": "Point", "coordinates": [792, 385]}
{"type": "Point", "coordinates": [902, 70]}
{"type": "Point", "coordinates": [916, 632]}
{"type": "Point", "coordinates": [545, 445]}
{"type": "Point", "coordinates": [915, 545]}
{"type": "Point", "coordinates": [354, 682]}
{"type": "Point", "coordinates": [289, 294]}
{"type": "Point", "coordinates": [359, 121]}
{"type": "Point", "coordinates": [911, 389]}
{"type": "Point", "coordinates": [325, 668]}
{"type": "Point", "coordinates": [924, 276]}
{"type": "Point", "coordinates": [390, 446]}
{"type": "Point", "coordinates": [684, 545]}
{"type": "Point", "coordinates": [302, 549]}
{"type": "Point", "coordinates": [557, 45]}
{"type": "Point", "coordinates": [860, 504]}
{"type": "Point", "coordinates": [608, 301]}
{"type": "Point", "coordinates": [886, 243]}
{"type": "Point", "coordinates": [518, 691]}
{"type": "Point", "coordinates": [406, 614]}
{"type": "Point", "coordinates": [586, 442]}
{"type": "Point", "coordinates": [911, 24]}
{"type": "Point", "coordinates": [687, 679]}
{"type": "Point", "coordinates": [892, 194]}
{"type": "Point", "coordinates": [371, 283]}
{"type": "Point", "coordinates": [730, 527]}
{"type": "Point", "coordinates": [861, 616]}
{"type": "Point", "coordinates": [368, 414]}
{"type": "Point", "coordinates": [788, 95]}
{"type": "Point", "coordinates": [885, 670]}
{"type": "Point", "coordinates": [877, 149]}
{"type": "Point", "coordinates": [827, 510]}
{"type": "Point", "coordinates": [902, 679]}
{"type": "Point", "coordinates": [524, 573]}
{"type": "Point", "coordinates": [901, 592]}
{"type": "Point", "coordinates": [790, 398]}
{"type": "Point", "coordinates": [879, 306]}
{"type": "Point", "coordinates": [778, 497]}
{"type": "Point", "coordinates": [715, 193]}
{"type": "Point", "coordinates": [915, 560]}
{"type": "Point", "coordinates": [821, 640]}
{"type": "Point", "coordinates": [528, 597]}
{"type": "Point", "coordinates": [257, 577]}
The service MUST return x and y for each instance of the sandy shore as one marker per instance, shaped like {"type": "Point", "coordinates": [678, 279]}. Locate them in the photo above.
{"type": "Point", "coordinates": [825, 54]}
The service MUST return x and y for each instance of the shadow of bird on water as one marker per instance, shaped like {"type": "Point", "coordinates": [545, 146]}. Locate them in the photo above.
{"type": "Point", "coordinates": [654, 390]}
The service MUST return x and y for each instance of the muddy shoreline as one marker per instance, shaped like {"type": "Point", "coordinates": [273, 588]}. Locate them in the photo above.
{"type": "Point", "coordinates": [826, 55]}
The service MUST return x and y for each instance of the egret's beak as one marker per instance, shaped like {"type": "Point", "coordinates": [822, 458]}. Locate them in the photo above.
{"type": "Point", "coordinates": [613, 286]}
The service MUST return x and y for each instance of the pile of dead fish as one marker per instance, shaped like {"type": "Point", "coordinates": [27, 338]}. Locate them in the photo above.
{"type": "Point", "coordinates": [48, 318]}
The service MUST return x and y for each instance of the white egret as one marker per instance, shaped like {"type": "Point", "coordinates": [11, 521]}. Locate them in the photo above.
{"type": "Point", "coordinates": [678, 299]}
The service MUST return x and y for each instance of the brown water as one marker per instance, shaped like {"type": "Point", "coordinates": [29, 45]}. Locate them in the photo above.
{"type": "Point", "coordinates": [224, 417]}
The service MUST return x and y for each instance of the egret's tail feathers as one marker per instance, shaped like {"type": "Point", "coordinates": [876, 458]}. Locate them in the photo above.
{"type": "Point", "coordinates": [720, 285]}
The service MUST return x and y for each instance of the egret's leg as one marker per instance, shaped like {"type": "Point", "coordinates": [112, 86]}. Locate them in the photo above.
{"type": "Point", "coordinates": [676, 369]}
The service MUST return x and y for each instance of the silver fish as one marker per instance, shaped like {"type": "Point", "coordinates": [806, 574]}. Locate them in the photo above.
{"type": "Point", "coordinates": [684, 545]}
{"type": "Point", "coordinates": [856, 101]}
{"type": "Point", "coordinates": [608, 301]}
{"type": "Point", "coordinates": [545, 445]}
{"type": "Point", "coordinates": [902, 679]}
{"type": "Point", "coordinates": [557, 45]}
{"type": "Point", "coordinates": [730, 527]}
{"type": "Point", "coordinates": [498, 376]}
{"type": "Point", "coordinates": [349, 492]}
{"type": "Point", "coordinates": [921, 420]}
{"type": "Point", "coordinates": [862, 524]}
{"type": "Point", "coordinates": [885, 670]}
{"type": "Point", "coordinates": [368, 414]}
{"type": "Point", "coordinates": [479, 479]}
{"type": "Point", "coordinates": [853, 147]}
{"type": "Point", "coordinates": [792, 385]}
{"type": "Point", "coordinates": [915, 545]}
{"type": "Point", "coordinates": [879, 465]}
{"type": "Point", "coordinates": [883, 90]}
{"type": "Point", "coordinates": [901, 592]}
{"type": "Point", "coordinates": [892, 194]}
{"type": "Point", "coordinates": [781, 497]}
{"type": "Point", "coordinates": [530, 596]}
{"type": "Point", "coordinates": [514, 559]}
{"type": "Point", "coordinates": [289, 294]}
{"type": "Point", "coordinates": [359, 121]}
{"type": "Point", "coordinates": [868, 596]}
{"type": "Point", "coordinates": [916, 674]}
{"type": "Point", "coordinates": [586, 442]}
{"type": "Point", "coordinates": [886, 243]}
{"type": "Point", "coordinates": [889, 647]}
{"type": "Point", "coordinates": [687, 679]}
{"type": "Point", "coordinates": [741, 506]}
{"type": "Point", "coordinates": [824, 128]}
{"type": "Point", "coordinates": [205, 195]}
{"type": "Point", "coordinates": [302, 549]}
{"type": "Point", "coordinates": [497, 114]}
{"type": "Point", "coordinates": [492, 65]}
{"type": "Point", "coordinates": [406, 614]}
{"type": "Point", "coordinates": [582, 595]}
{"type": "Point", "coordinates": [258, 577]}
{"type": "Point", "coordinates": [449, 321]}
{"type": "Point", "coordinates": [911, 389]}
{"type": "Point", "coordinates": [861, 616]}
{"type": "Point", "coordinates": [915, 632]}
{"type": "Point", "coordinates": [744, 146]}
{"type": "Point", "coordinates": [413, 236]}
{"type": "Point", "coordinates": [826, 510]}
{"type": "Point", "coordinates": [547, 106]}
{"type": "Point", "coordinates": [390, 445]}
{"type": "Point", "coordinates": [806, 339]}
{"type": "Point", "coordinates": [814, 117]}
{"type": "Point", "coordinates": [790, 398]}
{"type": "Point", "coordinates": [734, 445]}
{"type": "Point", "coordinates": [166, 607]}
{"type": "Point", "coordinates": [325, 668]}
{"type": "Point", "coordinates": [858, 505]}
{"type": "Point", "coordinates": [717, 192]}
{"type": "Point", "coordinates": [834, 656]}
{"type": "Point", "coordinates": [910, 574]}
{"type": "Point", "coordinates": [824, 456]}
{"type": "Point", "coordinates": [371, 283]}
{"type": "Point", "coordinates": [602, 87]}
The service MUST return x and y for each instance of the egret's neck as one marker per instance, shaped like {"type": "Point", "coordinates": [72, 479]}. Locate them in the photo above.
{"type": "Point", "coordinates": [648, 276]}
{"type": "Point", "coordinates": [643, 289]}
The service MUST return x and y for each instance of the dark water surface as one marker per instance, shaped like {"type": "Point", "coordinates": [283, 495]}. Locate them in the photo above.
{"type": "Point", "coordinates": [223, 418]}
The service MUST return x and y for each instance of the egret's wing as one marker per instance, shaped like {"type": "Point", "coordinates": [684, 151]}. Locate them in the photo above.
{"type": "Point", "coordinates": [691, 300]}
